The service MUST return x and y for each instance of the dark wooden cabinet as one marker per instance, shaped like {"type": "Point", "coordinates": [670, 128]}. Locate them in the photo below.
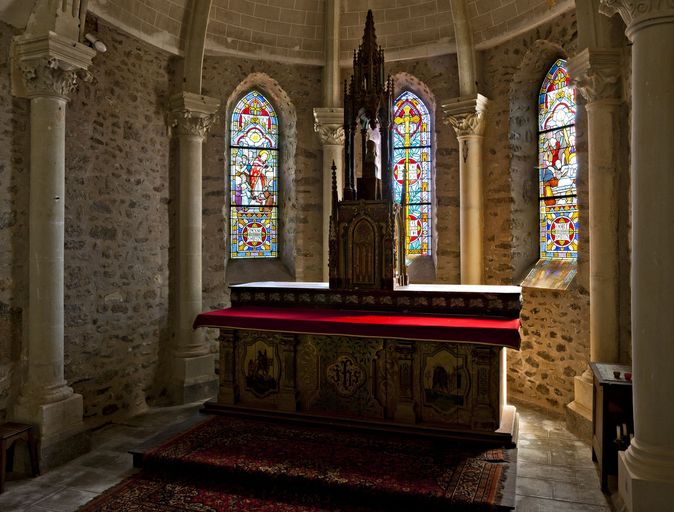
{"type": "Point", "coordinates": [611, 409]}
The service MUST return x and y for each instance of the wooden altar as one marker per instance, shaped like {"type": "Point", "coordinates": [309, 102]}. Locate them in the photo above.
{"type": "Point", "coordinates": [367, 348]}
{"type": "Point", "coordinates": [303, 350]}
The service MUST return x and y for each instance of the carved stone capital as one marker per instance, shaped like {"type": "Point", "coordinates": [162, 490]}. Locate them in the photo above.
{"type": "Point", "coordinates": [50, 77]}
{"type": "Point", "coordinates": [49, 65]}
{"type": "Point", "coordinates": [597, 74]}
{"type": "Point", "coordinates": [638, 13]}
{"type": "Point", "coordinates": [329, 124]}
{"type": "Point", "coordinates": [192, 114]}
{"type": "Point", "coordinates": [466, 115]}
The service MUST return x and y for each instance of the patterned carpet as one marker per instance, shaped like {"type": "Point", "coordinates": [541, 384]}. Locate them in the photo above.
{"type": "Point", "coordinates": [235, 464]}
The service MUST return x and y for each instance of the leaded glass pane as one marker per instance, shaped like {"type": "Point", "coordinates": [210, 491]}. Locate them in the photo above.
{"type": "Point", "coordinates": [559, 229]}
{"type": "Point", "coordinates": [254, 178]}
{"type": "Point", "coordinates": [254, 122]}
{"type": "Point", "coordinates": [417, 229]}
{"type": "Point", "coordinates": [412, 169]}
{"type": "Point", "coordinates": [557, 165]}
{"type": "Point", "coordinates": [557, 99]}
{"type": "Point", "coordinates": [254, 232]}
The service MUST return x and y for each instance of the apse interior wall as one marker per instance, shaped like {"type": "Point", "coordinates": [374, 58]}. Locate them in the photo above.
{"type": "Point", "coordinates": [555, 323]}
{"type": "Point", "coordinates": [14, 165]}
{"type": "Point", "coordinates": [294, 91]}
{"type": "Point", "coordinates": [117, 228]}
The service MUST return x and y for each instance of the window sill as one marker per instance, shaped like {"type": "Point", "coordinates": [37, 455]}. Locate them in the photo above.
{"type": "Point", "coordinates": [551, 275]}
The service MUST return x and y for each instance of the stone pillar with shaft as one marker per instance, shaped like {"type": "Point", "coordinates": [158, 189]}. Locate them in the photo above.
{"type": "Point", "coordinates": [597, 74]}
{"type": "Point", "coordinates": [329, 120]}
{"type": "Point", "coordinates": [192, 365]}
{"type": "Point", "coordinates": [46, 70]}
{"type": "Point", "coordinates": [646, 468]}
{"type": "Point", "coordinates": [330, 128]}
{"type": "Point", "coordinates": [468, 118]}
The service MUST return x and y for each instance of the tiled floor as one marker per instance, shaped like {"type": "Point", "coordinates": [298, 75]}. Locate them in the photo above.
{"type": "Point", "coordinates": [555, 470]}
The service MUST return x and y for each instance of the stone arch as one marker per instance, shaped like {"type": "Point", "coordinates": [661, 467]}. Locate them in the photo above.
{"type": "Point", "coordinates": [282, 268]}
{"type": "Point", "coordinates": [523, 141]}
{"type": "Point", "coordinates": [423, 268]}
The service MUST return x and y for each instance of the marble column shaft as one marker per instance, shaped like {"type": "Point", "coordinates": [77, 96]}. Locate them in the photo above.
{"type": "Point", "coordinates": [468, 118]}
{"type": "Point", "coordinates": [646, 468]}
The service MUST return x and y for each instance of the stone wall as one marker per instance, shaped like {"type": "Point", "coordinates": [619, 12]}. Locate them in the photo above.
{"type": "Point", "coordinates": [294, 91]}
{"type": "Point", "coordinates": [555, 324]}
{"type": "Point", "coordinates": [428, 79]}
{"type": "Point", "coordinates": [117, 228]}
{"type": "Point", "coordinates": [14, 165]}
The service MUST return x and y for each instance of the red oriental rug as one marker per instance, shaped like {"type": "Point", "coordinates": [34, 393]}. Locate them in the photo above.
{"type": "Point", "coordinates": [236, 464]}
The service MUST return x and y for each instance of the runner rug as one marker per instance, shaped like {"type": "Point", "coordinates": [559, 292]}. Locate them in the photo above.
{"type": "Point", "coordinates": [235, 464]}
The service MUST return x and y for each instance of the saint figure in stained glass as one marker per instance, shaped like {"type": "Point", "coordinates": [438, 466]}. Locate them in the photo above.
{"type": "Point", "coordinates": [254, 178]}
{"type": "Point", "coordinates": [412, 170]}
{"type": "Point", "coordinates": [557, 166]}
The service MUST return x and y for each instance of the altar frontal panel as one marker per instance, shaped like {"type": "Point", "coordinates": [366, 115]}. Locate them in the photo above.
{"type": "Point", "coordinates": [441, 384]}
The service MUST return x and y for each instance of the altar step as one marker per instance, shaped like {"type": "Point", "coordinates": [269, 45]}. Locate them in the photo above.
{"type": "Point", "coordinates": [331, 468]}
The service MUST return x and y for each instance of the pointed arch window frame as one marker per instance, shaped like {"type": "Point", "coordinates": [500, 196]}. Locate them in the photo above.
{"type": "Point", "coordinates": [413, 156]}
{"type": "Point", "coordinates": [557, 166]}
{"type": "Point", "coordinates": [254, 177]}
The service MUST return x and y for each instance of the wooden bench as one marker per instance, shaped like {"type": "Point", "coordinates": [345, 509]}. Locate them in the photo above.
{"type": "Point", "coordinates": [10, 433]}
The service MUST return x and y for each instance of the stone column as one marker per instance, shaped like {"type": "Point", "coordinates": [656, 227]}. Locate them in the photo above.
{"type": "Point", "coordinates": [330, 129]}
{"type": "Point", "coordinates": [468, 118]}
{"type": "Point", "coordinates": [597, 74]}
{"type": "Point", "coordinates": [329, 121]}
{"type": "Point", "coordinates": [46, 71]}
{"type": "Point", "coordinates": [193, 369]}
{"type": "Point", "coordinates": [646, 468]}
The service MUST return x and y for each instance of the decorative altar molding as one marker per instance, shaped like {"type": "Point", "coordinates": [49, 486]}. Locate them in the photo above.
{"type": "Point", "coordinates": [635, 13]}
{"type": "Point", "coordinates": [467, 115]}
{"type": "Point", "coordinates": [192, 114]}
{"type": "Point", "coordinates": [329, 126]}
{"type": "Point", "coordinates": [597, 74]}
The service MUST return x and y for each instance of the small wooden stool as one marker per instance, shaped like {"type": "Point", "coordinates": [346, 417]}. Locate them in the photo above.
{"type": "Point", "coordinates": [9, 434]}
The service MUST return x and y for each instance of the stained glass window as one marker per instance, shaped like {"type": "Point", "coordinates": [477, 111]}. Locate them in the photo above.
{"type": "Point", "coordinates": [557, 165]}
{"type": "Point", "coordinates": [254, 178]}
{"type": "Point", "coordinates": [412, 170]}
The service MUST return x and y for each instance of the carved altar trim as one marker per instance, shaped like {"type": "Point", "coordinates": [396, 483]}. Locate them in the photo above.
{"type": "Point", "coordinates": [597, 74]}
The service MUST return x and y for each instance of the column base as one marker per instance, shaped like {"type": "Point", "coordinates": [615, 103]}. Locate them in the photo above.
{"type": "Point", "coordinates": [579, 412]}
{"type": "Point", "coordinates": [59, 428]}
{"type": "Point", "coordinates": [193, 379]}
{"type": "Point", "coordinates": [640, 493]}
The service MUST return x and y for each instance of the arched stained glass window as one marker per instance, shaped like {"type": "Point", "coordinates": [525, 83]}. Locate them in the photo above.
{"type": "Point", "coordinates": [412, 170]}
{"type": "Point", "coordinates": [254, 178]}
{"type": "Point", "coordinates": [557, 165]}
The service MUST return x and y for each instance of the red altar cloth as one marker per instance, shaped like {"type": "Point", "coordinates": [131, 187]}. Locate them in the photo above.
{"type": "Point", "coordinates": [371, 324]}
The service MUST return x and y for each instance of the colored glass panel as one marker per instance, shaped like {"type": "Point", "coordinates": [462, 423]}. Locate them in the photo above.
{"type": "Point", "coordinates": [254, 232]}
{"type": "Point", "coordinates": [412, 170]}
{"type": "Point", "coordinates": [559, 229]}
{"type": "Point", "coordinates": [417, 227]}
{"type": "Point", "coordinates": [557, 165]}
{"type": "Point", "coordinates": [254, 178]}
